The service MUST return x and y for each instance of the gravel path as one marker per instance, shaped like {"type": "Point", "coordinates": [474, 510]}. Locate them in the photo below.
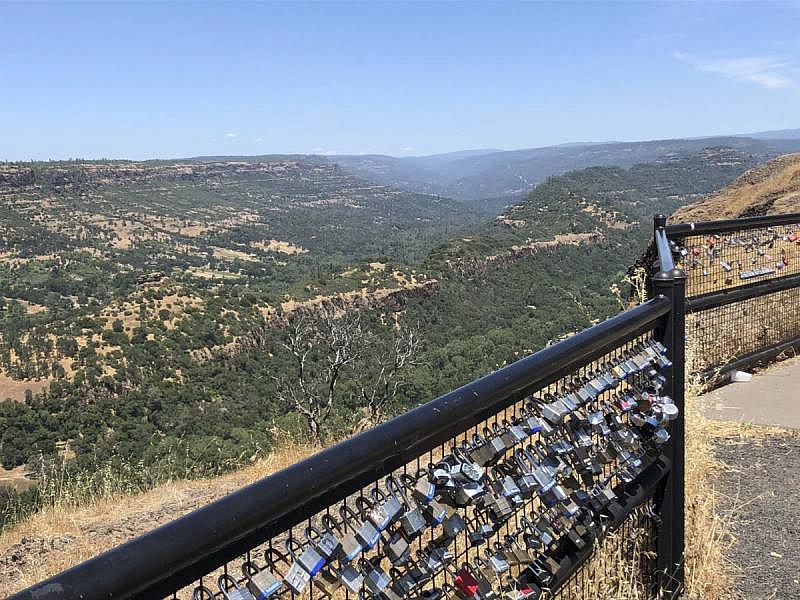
{"type": "Point", "coordinates": [762, 487]}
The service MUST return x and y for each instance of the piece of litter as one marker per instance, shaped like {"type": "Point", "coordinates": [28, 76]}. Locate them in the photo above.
{"type": "Point", "coordinates": [775, 555]}
{"type": "Point", "coordinates": [740, 376]}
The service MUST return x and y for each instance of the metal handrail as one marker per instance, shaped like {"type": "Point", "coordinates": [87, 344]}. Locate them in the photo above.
{"type": "Point", "coordinates": [729, 225]}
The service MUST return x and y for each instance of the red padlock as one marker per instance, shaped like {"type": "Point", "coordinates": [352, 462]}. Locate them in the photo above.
{"type": "Point", "coordinates": [466, 583]}
{"type": "Point", "coordinates": [792, 237]}
{"type": "Point", "coordinates": [696, 251]}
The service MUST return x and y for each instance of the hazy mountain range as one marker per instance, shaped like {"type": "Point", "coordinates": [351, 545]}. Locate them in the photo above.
{"type": "Point", "coordinates": [471, 175]}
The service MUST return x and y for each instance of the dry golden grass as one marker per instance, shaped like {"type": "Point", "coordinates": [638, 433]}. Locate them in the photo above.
{"type": "Point", "coordinates": [770, 188]}
{"type": "Point", "coordinates": [82, 532]}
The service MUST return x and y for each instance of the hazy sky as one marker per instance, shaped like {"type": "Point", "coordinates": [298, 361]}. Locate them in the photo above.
{"type": "Point", "coordinates": [167, 80]}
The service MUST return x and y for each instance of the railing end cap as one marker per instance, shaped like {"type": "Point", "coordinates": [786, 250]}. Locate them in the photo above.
{"type": "Point", "coordinates": [671, 275]}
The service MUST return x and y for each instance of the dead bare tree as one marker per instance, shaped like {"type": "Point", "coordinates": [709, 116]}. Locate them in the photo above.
{"type": "Point", "coordinates": [389, 368]}
{"type": "Point", "coordinates": [336, 346]}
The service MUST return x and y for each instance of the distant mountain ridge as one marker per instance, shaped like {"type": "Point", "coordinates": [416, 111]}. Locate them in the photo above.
{"type": "Point", "coordinates": [511, 174]}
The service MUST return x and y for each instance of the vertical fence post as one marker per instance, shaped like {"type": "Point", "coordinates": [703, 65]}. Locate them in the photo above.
{"type": "Point", "coordinates": [670, 543]}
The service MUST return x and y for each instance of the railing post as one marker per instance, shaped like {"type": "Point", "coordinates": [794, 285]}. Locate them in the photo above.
{"type": "Point", "coordinates": [670, 543]}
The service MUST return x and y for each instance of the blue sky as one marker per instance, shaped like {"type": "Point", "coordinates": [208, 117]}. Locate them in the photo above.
{"type": "Point", "coordinates": [144, 80]}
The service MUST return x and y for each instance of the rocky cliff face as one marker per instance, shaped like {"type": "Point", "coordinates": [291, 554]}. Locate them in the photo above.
{"type": "Point", "coordinates": [771, 188]}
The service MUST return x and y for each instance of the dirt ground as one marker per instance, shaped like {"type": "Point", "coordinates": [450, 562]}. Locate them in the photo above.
{"type": "Point", "coordinates": [761, 489]}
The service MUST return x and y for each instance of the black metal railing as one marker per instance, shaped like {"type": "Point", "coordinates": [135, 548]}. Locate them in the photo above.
{"type": "Point", "coordinates": [742, 288]}
{"type": "Point", "coordinates": [518, 480]}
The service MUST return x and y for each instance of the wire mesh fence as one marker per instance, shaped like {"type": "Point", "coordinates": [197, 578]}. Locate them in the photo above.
{"type": "Point", "coordinates": [716, 262]}
{"type": "Point", "coordinates": [733, 313]}
{"type": "Point", "coordinates": [490, 512]}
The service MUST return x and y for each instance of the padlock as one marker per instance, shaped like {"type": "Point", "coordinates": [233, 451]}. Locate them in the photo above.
{"type": "Point", "coordinates": [498, 507]}
{"type": "Point", "coordinates": [424, 490]}
{"type": "Point", "coordinates": [453, 525]}
{"type": "Point", "coordinates": [495, 437]}
{"type": "Point", "coordinates": [463, 468]}
{"type": "Point", "coordinates": [397, 549]}
{"type": "Point", "coordinates": [496, 559]}
{"type": "Point", "coordinates": [513, 434]}
{"type": "Point", "coordinates": [514, 553]}
{"type": "Point", "coordinates": [475, 535]}
{"type": "Point", "coordinates": [230, 589]}
{"type": "Point", "coordinates": [434, 560]}
{"type": "Point", "coordinates": [480, 450]}
{"type": "Point", "coordinates": [352, 578]}
{"type": "Point", "coordinates": [306, 556]}
{"type": "Point", "coordinates": [388, 503]}
{"type": "Point", "coordinates": [411, 520]}
{"type": "Point", "coordinates": [403, 583]}
{"type": "Point", "coordinates": [372, 512]}
{"type": "Point", "coordinates": [261, 582]}
{"type": "Point", "coordinates": [364, 531]}
{"type": "Point", "coordinates": [468, 492]}
{"type": "Point", "coordinates": [553, 412]}
{"type": "Point", "coordinates": [503, 483]}
{"type": "Point", "coordinates": [325, 543]}
{"type": "Point", "coordinates": [434, 512]}
{"type": "Point", "coordinates": [375, 578]}
{"type": "Point", "coordinates": [526, 482]}
{"type": "Point", "coordinates": [350, 547]}
{"type": "Point", "coordinates": [530, 422]}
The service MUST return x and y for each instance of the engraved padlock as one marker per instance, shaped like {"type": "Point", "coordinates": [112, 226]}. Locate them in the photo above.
{"type": "Point", "coordinates": [372, 512]}
{"type": "Point", "coordinates": [388, 503]}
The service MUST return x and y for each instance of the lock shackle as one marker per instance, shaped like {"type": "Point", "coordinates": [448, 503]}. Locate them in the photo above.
{"type": "Point", "coordinates": [312, 539]}
{"type": "Point", "coordinates": [377, 495]}
{"type": "Point", "coordinates": [201, 592]}
{"type": "Point", "coordinates": [487, 433]}
{"type": "Point", "coordinates": [269, 556]}
{"type": "Point", "coordinates": [477, 441]}
{"type": "Point", "coordinates": [347, 514]}
{"type": "Point", "coordinates": [291, 545]}
{"type": "Point", "coordinates": [460, 455]}
{"type": "Point", "coordinates": [498, 547]}
{"type": "Point", "coordinates": [364, 505]}
{"type": "Point", "coordinates": [395, 489]}
{"type": "Point", "coordinates": [422, 474]}
{"type": "Point", "coordinates": [225, 582]}
{"type": "Point", "coordinates": [407, 483]}
{"type": "Point", "coordinates": [250, 568]}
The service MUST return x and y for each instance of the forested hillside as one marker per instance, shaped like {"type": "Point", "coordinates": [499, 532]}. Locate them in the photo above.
{"type": "Point", "coordinates": [162, 302]}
